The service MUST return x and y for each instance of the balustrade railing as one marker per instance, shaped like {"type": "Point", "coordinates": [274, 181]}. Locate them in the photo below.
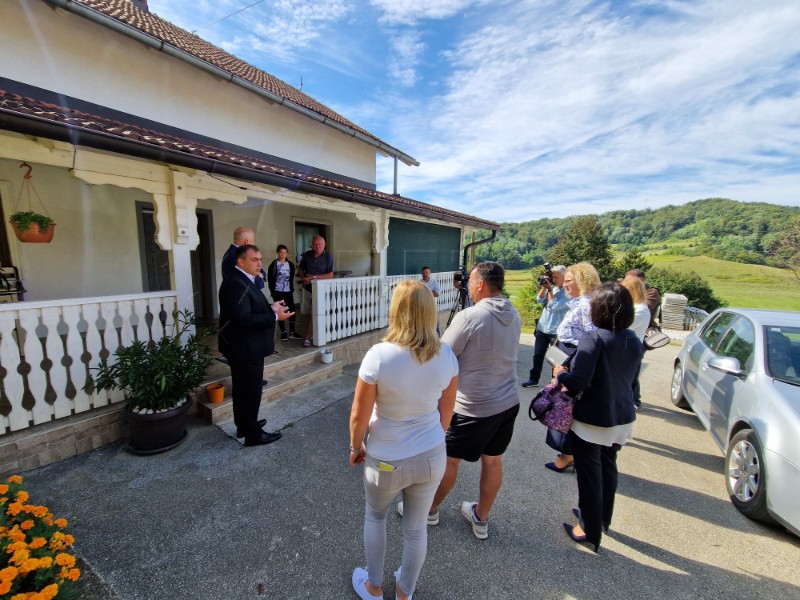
{"type": "Point", "coordinates": [48, 351]}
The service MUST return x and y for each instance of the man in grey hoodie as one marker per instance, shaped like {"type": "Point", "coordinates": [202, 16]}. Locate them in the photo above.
{"type": "Point", "coordinates": [485, 338]}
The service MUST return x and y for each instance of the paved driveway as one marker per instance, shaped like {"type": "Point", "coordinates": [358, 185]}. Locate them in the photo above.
{"type": "Point", "coordinates": [213, 520]}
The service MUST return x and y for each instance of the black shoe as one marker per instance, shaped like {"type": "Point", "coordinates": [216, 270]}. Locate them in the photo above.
{"type": "Point", "coordinates": [263, 439]}
{"type": "Point", "coordinates": [260, 423]}
{"type": "Point", "coordinates": [569, 466]}
{"type": "Point", "coordinates": [530, 383]}
{"type": "Point", "coordinates": [581, 539]}
{"type": "Point", "coordinates": [284, 336]}
{"type": "Point", "coordinates": [264, 383]}
{"type": "Point", "coordinates": [577, 513]}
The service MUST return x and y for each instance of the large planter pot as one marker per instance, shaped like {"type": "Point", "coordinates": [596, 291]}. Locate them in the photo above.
{"type": "Point", "coordinates": [33, 235]}
{"type": "Point", "coordinates": [157, 432]}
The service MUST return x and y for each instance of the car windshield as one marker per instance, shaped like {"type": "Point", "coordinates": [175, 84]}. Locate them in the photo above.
{"type": "Point", "coordinates": [783, 352]}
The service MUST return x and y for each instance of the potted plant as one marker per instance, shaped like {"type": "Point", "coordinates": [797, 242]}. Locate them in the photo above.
{"type": "Point", "coordinates": [157, 378]}
{"type": "Point", "coordinates": [32, 227]}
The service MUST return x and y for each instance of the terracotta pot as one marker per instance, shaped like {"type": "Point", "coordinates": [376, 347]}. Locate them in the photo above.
{"type": "Point", "coordinates": [157, 432]}
{"type": "Point", "coordinates": [33, 235]}
{"type": "Point", "coordinates": [216, 393]}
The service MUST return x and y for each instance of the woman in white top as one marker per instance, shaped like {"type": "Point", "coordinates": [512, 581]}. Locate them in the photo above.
{"type": "Point", "coordinates": [641, 321]}
{"type": "Point", "coordinates": [404, 401]}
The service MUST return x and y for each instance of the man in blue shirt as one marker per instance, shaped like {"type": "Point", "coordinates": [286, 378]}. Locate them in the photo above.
{"type": "Point", "coordinates": [554, 298]}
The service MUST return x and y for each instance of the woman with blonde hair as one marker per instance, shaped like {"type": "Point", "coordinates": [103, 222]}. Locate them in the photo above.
{"type": "Point", "coordinates": [641, 321]}
{"type": "Point", "coordinates": [580, 281]}
{"type": "Point", "coordinates": [404, 400]}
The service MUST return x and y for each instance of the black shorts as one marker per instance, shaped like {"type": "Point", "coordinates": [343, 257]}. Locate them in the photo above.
{"type": "Point", "coordinates": [469, 437]}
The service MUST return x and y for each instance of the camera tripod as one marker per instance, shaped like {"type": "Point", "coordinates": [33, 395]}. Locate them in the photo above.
{"type": "Point", "coordinates": [459, 304]}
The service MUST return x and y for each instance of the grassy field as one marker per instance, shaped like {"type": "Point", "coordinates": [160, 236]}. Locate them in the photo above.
{"type": "Point", "coordinates": [752, 286]}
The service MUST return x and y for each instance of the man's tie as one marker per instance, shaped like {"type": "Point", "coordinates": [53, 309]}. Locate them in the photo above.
{"type": "Point", "coordinates": [259, 283]}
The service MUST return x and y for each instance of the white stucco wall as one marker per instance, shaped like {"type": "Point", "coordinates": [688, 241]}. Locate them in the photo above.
{"type": "Point", "coordinates": [64, 53]}
{"type": "Point", "coordinates": [95, 249]}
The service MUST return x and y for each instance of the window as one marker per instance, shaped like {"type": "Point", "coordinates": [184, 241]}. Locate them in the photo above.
{"type": "Point", "coordinates": [738, 343]}
{"type": "Point", "coordinates": [783, 352]}
{"type": "Point", "coordinates": [715, 328]}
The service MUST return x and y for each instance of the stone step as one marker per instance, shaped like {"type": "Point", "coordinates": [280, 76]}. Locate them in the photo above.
{"type": "Point", "coordinates": [284, 378]}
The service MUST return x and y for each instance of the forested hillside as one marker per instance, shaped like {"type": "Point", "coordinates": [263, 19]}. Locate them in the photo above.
{"type": "Point", "coordinates": [746, 232]}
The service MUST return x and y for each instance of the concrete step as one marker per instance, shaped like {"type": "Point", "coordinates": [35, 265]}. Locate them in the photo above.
{"type": "Point", "coordinates": [284, 378]}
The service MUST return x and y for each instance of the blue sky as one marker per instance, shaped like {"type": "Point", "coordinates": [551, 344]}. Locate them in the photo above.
{"type": "Point", "coordinates": [519, 110]}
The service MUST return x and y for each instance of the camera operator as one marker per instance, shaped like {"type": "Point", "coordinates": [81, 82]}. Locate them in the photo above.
{"type": "Point", "coordinates": [553, 298]}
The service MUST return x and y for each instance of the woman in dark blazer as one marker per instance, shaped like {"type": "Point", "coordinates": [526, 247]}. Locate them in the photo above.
{"type": "Point", "coordinates": [603, 369]}
{"type": "Point", "coordinates": [280, 280]}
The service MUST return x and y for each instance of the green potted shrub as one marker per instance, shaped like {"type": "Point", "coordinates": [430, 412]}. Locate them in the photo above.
{"type": "Point", "coordinates": [32, 227]}
{"type": "Point", "coordinates": [157, 378]}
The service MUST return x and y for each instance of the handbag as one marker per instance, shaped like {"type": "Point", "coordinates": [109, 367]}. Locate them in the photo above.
{"type": "Point", "coordinates": [655, 339]}
{"type": "Point", "coordinates": [552, 407]}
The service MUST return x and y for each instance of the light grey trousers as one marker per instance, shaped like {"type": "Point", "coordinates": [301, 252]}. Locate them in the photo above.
{"type": "Point", "coordinates": [418, 478]}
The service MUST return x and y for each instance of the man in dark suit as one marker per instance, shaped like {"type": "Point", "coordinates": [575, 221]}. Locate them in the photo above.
{"type": "Point", "coordinates": [241, 237]}
{"type": "Point", "coordinates": [246, 332]}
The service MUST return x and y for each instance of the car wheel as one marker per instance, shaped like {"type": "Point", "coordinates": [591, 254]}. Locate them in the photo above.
{"type": "Point", "coordinates": [746, 476]}
{"type": "Point", "coordinates": [676, 389]}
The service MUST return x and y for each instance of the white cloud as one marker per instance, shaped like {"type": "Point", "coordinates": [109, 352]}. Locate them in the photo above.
{"type": "Point", "coordinates": [409, 12]}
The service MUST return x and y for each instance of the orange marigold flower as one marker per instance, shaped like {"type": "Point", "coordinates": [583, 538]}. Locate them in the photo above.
{"type": "Point", "coordinates": [3, 488]}
{"type": "Point", "coordinates": [50, 592]}
{"type": "Point", "coordinates": [14, 508]}
{"type": "Point", "coordinates": [28, 565]}
{"type": "Point", "coordinates": [45, 562]}
{"type": "Point", "coordinates": [5, 587]}
{"type": "Point", "coordinates": [40, 511]}
{"type": "Point", "coordinates": [61, 523]}
{"type": "Point", "coordinates": [20, 556]}
{"type": "Point", "coordinates": [14, 479]}
{"type": "Point", "coordinates": [28, 524]}
{"type": "Point", "coordinates": [19, 597]}
{"type": "Point", "coordinates": [65, 560]}
{"type": "Point", "coordinates": [22, 496]}
{"type": "Point", "coordinates": [8, 573]}
{"type": "Point", "coordinates": [74, 574]}
{"type": "Point", "coordinates": [48, 519]}
{"type": "Point", "coordinates": [69, 540]}
{"type": "Point", "coordinates": [37, 543]}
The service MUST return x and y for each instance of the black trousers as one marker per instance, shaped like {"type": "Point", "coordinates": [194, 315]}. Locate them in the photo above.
{"type": "Point", "coordinates": [596, 467]}
{"type": "Point", "coordinates": [246, 377]}
{"type": "Point", "coordinates": [288, 299]}
{"type": "Point", "coordinates": [541, 344]}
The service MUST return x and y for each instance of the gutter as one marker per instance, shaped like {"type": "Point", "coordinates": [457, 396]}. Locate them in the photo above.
{"type": "Point", "coordinates": [145, 38]}
{"type": "Point", "coordinates": [477, 243]}
{"type": "Point", "coordinates": [36, 126]}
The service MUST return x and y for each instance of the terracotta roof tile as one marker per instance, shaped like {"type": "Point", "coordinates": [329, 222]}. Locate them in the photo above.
{"type": "Point", "coordinates": [153, 25]}
{"type": "Point", "coordinates": [14, 104]}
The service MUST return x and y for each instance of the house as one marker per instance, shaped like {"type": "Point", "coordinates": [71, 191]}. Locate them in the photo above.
{"type": "Point", "coordinates": [148, 146]}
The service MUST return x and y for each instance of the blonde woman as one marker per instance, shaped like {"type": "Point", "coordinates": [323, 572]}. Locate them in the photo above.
{"type": "Point", "coordinates": [580, 281]}
{"type": "Point", "coordinates": [641, 321]}
{"type": "Point", "coordinates": [404, 400]}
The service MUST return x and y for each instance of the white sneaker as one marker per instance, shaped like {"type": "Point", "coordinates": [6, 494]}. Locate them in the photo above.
{"type": "Point", "coordinates": [479, 528]}
{"type": "Point", "coordinates": [360, 578]}
{"type": "Point", "coordinates": [433, 518]}
{"type": "Point", "coordinates": [397, 578]}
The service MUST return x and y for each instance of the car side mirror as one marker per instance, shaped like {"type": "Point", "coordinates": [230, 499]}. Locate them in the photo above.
{"type": "Point", "coordinates": [727, 364]}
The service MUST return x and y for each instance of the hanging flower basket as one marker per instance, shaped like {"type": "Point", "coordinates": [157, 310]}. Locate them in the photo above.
{"type": "Point", "coordinates": [34, 233]}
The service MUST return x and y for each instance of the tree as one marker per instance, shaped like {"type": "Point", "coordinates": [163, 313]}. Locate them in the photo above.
{"type": "Point", "coordinates": [525, 302]}
{"type": "Point", "coordinates": [786, 249]}
{"type": "Point", "coordinates": [584, 241]}
{"type": "Point", "coordinates": [633, 259]}
{"type": "Point", "coordinates": [696, 289]}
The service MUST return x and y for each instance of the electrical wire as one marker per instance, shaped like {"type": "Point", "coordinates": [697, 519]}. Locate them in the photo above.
{"type": "Point", "coordinates": [228, 16]}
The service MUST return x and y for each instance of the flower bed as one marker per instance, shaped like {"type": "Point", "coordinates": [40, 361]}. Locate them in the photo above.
{"type": "Point", "coordinates": [34, 560]}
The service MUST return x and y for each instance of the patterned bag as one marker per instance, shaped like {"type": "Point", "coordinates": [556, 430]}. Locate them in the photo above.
{"type": "Point", "coordinates": [552, 407]}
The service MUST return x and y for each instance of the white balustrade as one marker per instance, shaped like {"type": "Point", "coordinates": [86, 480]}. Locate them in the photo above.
{"type": "Point", "coordinates": [49, 350]}
{"type": "Point", "coordinates": [353, 305]}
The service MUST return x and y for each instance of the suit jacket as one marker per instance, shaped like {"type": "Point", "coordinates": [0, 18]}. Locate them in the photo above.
{"type": "Point", "coordinates": [246, 320]}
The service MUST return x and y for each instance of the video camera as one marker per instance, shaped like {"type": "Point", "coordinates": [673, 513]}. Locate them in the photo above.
{"type": "Point", "coordinates": [548, 274]}
{"type": "Point", "coordinates": [461, 278]}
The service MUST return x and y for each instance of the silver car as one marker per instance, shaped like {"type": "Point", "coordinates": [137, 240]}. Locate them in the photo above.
{"type": "Point", "coordinates": [740, 373]}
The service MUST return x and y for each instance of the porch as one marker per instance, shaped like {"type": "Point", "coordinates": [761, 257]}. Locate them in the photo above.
{"type": "Point", "coordinates": [49, 406]}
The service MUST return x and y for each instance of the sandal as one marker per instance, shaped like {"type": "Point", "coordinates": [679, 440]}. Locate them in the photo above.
{"type": "Point", "coordinates": [307, 343]}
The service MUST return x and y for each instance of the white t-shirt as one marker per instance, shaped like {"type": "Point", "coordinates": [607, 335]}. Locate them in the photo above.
{"type": "Point", "coordinates": [433, 285]}
{"type": "Point", "coordinates": [405, 421]}
{"type": "Point", "coordinates": [641, 320]}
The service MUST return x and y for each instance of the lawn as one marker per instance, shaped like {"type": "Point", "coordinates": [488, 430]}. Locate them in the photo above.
{"type": "Point", "coordinates": [751, 286]}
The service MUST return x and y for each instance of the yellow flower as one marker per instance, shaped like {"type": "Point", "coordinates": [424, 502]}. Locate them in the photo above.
{"type": "Point", "coordinates": [37, 543]}
{"type": "Point", "coordinates": [5, 587]}
{"type": "Point", "coordinates": [8, 573]}
{"type": "Point", "coordinates": [14, 479]}
{"type": "Point", "coordinates": [65, 560]}
{"type": "Point", "coordinates": [61, 523]}
{"type": "Point", "coordinates": [27, 524]}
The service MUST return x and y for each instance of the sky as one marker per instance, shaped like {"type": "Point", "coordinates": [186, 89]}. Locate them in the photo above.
{"type": "Point", "coordinates": [524, 109]}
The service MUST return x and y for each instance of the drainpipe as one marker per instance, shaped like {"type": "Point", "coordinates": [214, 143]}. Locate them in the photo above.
{"type": "Point", "coordinates": [148, 40]}
{"type": "Point", "coordinates": [395, 176]}
{"type": "Point", "coordinates": [478, 243]}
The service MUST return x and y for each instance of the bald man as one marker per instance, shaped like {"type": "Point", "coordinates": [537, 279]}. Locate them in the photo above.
{"type": "Point", "coordinates": [242, 236]}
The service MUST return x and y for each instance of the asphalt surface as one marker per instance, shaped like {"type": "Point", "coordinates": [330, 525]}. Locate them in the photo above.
{"type": "Point", "coordinates": [214, 520]}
